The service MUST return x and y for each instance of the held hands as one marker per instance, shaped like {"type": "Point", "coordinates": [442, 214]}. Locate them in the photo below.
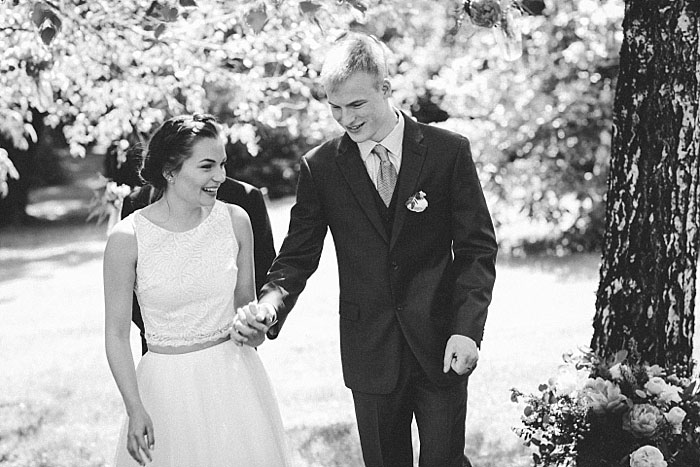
{"type": "Point", "coordinates": [461, 354]}
{"type": "Point", "coordinates": [140, 440]}
{"type": "Point", "coordinates": [252, 322]}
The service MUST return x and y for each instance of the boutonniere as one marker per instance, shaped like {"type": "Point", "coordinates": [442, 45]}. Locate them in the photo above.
{"type": "Point", "coordinates": [417, 202]}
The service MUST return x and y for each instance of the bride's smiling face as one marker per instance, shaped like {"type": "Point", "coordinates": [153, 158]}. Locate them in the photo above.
{"type": "Point", "coordinates": [201, 174]}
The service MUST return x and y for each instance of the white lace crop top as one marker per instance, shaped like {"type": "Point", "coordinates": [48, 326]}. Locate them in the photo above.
{"type": "Point", "coordinates": [185, 281]}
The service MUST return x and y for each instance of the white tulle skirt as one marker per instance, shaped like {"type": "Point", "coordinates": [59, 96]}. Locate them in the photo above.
{"type": "Point", "coordinates": [210, 408]}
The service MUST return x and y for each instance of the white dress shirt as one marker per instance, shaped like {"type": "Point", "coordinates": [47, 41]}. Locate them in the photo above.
{"type": "Point", "coordinates": [393, 142]}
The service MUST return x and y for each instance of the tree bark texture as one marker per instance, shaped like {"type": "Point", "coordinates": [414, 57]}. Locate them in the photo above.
{"type": "Point", "coordinates": [646, 295]}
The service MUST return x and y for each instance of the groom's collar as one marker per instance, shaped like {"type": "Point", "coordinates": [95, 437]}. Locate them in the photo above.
{"type": "Point", "coordinates": [412, 134]}
{"type": "Point", "coordinates": [392, 142]}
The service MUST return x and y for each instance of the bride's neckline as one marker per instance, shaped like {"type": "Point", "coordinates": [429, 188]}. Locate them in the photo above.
{"type": "Point", "coordinates": [202, 222]}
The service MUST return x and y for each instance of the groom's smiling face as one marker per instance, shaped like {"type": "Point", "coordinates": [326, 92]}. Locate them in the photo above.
{"type": "Point", "coordinates": [362, 109]}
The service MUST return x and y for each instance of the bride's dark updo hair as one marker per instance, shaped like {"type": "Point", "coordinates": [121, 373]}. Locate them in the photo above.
{"type": "Point", "coordinates": [172, 144]}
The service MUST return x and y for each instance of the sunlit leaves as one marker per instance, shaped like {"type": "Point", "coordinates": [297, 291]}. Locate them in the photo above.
{"type": "Point", "coordinates": [7, 170]}
{"type": "Point", "coordinates": [539, 126]}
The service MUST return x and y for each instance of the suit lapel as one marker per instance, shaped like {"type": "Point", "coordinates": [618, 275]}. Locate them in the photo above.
{"type": "Point", "coordinates": [355, 173]}
{"type": "Point", "coordinates": [412, 158]}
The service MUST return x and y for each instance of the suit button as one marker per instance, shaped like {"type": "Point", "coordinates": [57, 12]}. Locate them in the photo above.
{"type": "Point", "coordinates": [394, 266]}
{"type": "Point", "coordinates": [399, 308]}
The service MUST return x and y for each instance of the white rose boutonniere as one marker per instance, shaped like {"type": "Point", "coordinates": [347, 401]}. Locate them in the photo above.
{"type": "Point", "coordinates": [417, 202]}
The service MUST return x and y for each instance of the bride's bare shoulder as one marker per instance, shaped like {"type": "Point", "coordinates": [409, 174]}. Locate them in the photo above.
{"type": "Point", "coordinates": [122, 239]}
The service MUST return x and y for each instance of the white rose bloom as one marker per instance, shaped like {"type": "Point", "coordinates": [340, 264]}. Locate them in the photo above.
{"type": "Point", "coordinates": [655, 386]}
{"type": "Point", "coordinates": [616, 372]}
{"type": "Point", "coordinates": [647, 456]}
{"type": "Point", "coordinates": [675, 417]}
{"type": "Point", "coordinates": [671, 394]}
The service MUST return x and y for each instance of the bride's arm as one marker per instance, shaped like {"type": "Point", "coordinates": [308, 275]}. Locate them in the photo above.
{"type": "Point", "coordinates": [245, 283]}
{"type": "Point", "coordinates": [119, 274]}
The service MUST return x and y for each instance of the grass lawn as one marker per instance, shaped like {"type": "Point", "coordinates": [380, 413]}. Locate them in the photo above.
{"type": "Point", "coordinates": [60, 407]}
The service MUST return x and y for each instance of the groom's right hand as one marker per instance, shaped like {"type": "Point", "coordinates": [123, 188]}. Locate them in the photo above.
{"type": "Point", "coordinates": [260, 316]}
{"type": "Point", "coordinates": [252, 322]}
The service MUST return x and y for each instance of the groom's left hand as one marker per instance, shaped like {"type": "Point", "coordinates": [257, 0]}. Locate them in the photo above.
{"type": "Point", "coordinates": [461, 354]}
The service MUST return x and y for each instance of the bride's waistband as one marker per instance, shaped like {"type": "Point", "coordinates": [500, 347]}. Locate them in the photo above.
{"type": "Point", "coordinates": [180, 349]}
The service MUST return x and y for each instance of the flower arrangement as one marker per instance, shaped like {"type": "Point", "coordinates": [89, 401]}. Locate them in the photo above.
{"type": "Point", "coordinates": [107, 200]}
{"type": "Point", "coordinates": [612, 413]}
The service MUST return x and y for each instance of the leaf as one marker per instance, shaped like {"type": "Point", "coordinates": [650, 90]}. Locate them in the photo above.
{"type": "Point", "coordinates": [620, 356]}
{"type": "Point", "coordinates": [159, 30]}
{"type": "Point", "coordinates": [358, 5]}
{"type": "Point", "coordinates": [39, 13]}
{"type": "Point", "coordinates": [256, 19]}
{"type": "Point", "coordinates": [320, 26]}
{"type": "Point", "coordinates": [187, 3]}
{"type": "Point", "coordinates": [533, 7]}
{"type": "Point", "coordinates": [155, 10]}
{"type": "Point", "coordinates": [542, 387]}
{"type": "Point", "coordinates": [47, 35]}
{"type": "Point", "coordinates": [309, 8]}
{"type": "Point", "coordinates": [170, 14]}
{"type": "Point", "coordinates": [46, 20]}
{"type": "Point", "coordinates": [162, 12]}
{"type": "Point", "coordinates": [527, 411]}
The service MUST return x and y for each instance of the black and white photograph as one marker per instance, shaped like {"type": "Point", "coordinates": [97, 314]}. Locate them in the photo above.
{"type": "Point", "coordinates": [349, 233]}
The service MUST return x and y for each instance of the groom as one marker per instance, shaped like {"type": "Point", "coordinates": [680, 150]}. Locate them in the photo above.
{"type": "Point", "coordinates": [416, 255]}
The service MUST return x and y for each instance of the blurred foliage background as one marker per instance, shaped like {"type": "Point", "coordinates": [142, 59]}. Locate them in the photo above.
{"type": "Point", "coordinates": [79, 77]}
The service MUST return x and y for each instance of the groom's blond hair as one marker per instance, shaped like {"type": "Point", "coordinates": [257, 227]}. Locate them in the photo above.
{"type": "Point", "coordinates": [354, 53]}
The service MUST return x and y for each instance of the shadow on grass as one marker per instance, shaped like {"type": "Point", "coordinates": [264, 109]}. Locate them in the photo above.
{"type": "Point", "coordinates": [338, 445]}
{"type": "Point", "coordinates": [19, 422]}
{"type": "Point", "coordinates": [15, 268]}
{"type": "Point", "coordinates": [485, 452]}
{"type": "Point", "coordinates": [57, 244]}
{"type": "Point", "coordinates": [334, 445]}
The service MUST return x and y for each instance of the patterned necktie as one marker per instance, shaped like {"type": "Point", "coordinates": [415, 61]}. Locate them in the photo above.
{"type": "Point", "coordinates": [386, 181]}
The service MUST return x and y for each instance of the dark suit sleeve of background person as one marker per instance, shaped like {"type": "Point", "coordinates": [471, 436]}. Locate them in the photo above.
{"type": "Point", "coordinates": [301, 250]}
{"type": "Point", "coordinates": [137, 199]}
{"type": "Point", "coordinates": [474, 247]}
{"type": "Point", "coordinates": [251, 200]}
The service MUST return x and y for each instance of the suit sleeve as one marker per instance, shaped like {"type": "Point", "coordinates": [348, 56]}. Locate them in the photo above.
{"type": "Point", "coordinates": [127, 206]}
{"type": "Point", "coordinates": [264, 245]}
{"type": "Point", "coordinates": [300, 252]}
{"type": "Point", "coordinates": [474, 246]}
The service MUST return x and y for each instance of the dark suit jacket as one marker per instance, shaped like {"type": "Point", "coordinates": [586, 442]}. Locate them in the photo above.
{"type": "Point", "coordinates": [231, 191]}
{"type": "Point", "coordinates": [431, 278]}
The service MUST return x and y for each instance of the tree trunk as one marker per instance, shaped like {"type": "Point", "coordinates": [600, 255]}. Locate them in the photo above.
{"type": "Point", "coordinates": [646, 295]}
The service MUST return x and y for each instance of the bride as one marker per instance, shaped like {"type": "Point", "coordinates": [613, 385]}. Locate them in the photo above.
{"type": "Point", "coordinates": [197, 398]}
